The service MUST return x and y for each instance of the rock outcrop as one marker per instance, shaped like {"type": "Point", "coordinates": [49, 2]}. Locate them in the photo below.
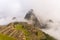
{"type": "Point", "coordinates": [30, 16]}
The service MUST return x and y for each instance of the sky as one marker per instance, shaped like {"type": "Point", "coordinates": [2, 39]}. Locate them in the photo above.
{"type": "Point", "coordinates": [9, 9]}
{"type": "Point", "coordinates": [43, 9]}
{"type": "Point", "coordinates": [50, 9]}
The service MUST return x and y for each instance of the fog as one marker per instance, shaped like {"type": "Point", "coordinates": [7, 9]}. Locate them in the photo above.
{"type": "Point", "coordinates": [43, 9]}
{"type": "Point", "coordinates": [9, 9]}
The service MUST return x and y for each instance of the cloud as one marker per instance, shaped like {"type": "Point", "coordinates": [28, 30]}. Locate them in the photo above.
{"type": "Point", "coordinates": [43, 9]}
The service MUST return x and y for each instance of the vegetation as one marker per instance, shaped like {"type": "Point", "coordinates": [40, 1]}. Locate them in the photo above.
{"type": "Point", "coordinates": [22, 31]}
{"type": "Point", "coordinates": [5, 37]}
{"type": "Point", "coordinates": [31, 33]}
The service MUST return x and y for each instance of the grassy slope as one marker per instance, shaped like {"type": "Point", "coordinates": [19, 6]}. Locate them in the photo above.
{"type": "Point", "coordinates": [30, 33]}
{"type": "Point", "coordinates": [5, 37]}
{"type": "Point", "coordinates": [19, 27]}
{"type": "Point", "coordinates": [38, 35]}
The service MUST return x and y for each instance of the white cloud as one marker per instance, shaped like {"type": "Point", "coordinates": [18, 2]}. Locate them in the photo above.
{"type": "Point", "coordinates": [44, 10]}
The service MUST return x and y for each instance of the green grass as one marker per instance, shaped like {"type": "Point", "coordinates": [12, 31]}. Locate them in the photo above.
{"type": "Point", "coordinates": [26, 32]}
{"type": "Point", "coordinates": [29, 35]}
{"type": "Point", "coordinates": [20, 27]}
{"type": "Point", "coordinates": [5, 37]}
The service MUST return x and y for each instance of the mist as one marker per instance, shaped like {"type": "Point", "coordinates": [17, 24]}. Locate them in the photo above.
{"type": "Point", "coordinates": [43, 9]}
{"type": "Point", "coordinates": [46, 10]}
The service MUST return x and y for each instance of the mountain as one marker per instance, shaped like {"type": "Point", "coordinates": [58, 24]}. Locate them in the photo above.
{"type": "Point", "coordinates": [22, 31]}
{"type": "Point", "coordinates": [31, 17]}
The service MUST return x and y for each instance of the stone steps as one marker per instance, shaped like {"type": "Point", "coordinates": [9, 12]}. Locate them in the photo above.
{"type": "Point", "coordinates": [5, 29]}
{"type": "Point", "coordinates": [12, 32]}
{"type": "Point", "coordinates": [9, 32]}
